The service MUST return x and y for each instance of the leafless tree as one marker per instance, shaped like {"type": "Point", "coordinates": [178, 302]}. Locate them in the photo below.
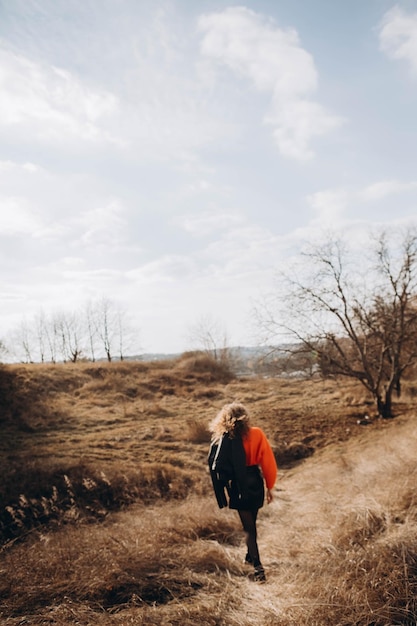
{"type": "Point", "coordinates": [40, 323]}
{"type": "Point", "coordinates": [91, 328]}
{"type": "Point", "coordinates": [106, 325]}
{"type": "Point", "coordinates": [360, 325]}
{"type": "Point", "coordinates": [127, 335]}
{"type": "Point", "coordinates": [60, 334]}
{"type": "Point", "coordinates": [51, 338]}
{"type": "Point", "coordinates": [22, 341]}
{"type": "Point", "coordinates": [73, 336]}
{"type": "Point", "coordinates": [208, 335]}
{"type": "Point", "coordinates": [100, 327]}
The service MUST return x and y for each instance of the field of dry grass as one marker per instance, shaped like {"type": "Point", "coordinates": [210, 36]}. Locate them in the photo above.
{"type": "Point", "coordinates": [107, 515]}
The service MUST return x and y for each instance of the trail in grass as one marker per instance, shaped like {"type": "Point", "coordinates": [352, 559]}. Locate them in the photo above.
{"type": "Point", "coordinates": [297, 529]}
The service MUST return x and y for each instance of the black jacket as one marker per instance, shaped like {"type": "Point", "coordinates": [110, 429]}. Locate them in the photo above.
{"type": "Point", "coordinates": [227, 464]}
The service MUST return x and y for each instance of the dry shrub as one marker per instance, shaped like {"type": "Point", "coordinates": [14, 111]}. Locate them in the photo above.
{"type": "Point", "coordinates": [372, 586]}
{"type": "Point", "coordinates": [200, 520]}
{"type": "Point", "coordinates": [197, 431]}
{"type": "Point", "coordinates": [360, 526]}
{"type": "Point", "coordinates": [367, 582]}
{"type": "Point", "coordinates": [212, 369]}
{"type": "Point", "coordinates": [406, 509]}
{"type": "Point", "coordinates": [287, 455]}
{"type": "Point", "coordinates": [208, 393]}
{"type": "Point", "coordinates": [66, 495]}
{"type": "Point", "coordinates": [128, 385]}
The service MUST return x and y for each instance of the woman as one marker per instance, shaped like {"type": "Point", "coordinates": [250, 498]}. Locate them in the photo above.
{"type": "Point", "coordinates": [238, 452]}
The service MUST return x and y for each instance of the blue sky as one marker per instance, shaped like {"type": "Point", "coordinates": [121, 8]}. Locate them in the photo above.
{"type": "Point", "coordinates": [172, 155]}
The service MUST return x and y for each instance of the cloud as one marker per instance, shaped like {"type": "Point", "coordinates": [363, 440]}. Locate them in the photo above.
{"type": "Point", "coordinates": [167, 269]}
{"type": "Point", "coordinates": [18, 215]}
{"type": "Point", "coordinates": [242, 251]}
{"type": "Point", "coordinates": [203, 224]}
{"type": "Point", "coordinates": [329, 206]}
{"type": "Point", "coordinates": [148, 95]}
{"type": "Point", "coordinates": [11, 166]}
{"type": "Point", "coordinates": [103, 226]}
{"type": "Point", "coordinates": [50, 102]}
{"type": "Point", "coordinates": [61, 211]}
{"type": "Point", "coordinates": [398, 36]}
{"type": "Point", "coordinates": [273, 60]}
{"type": "Point", "coordinates": [339, 208]}
{"type": "Point", "coordinates": [16, 218]}
{"type": "Point", "coordinates": [382, 189]}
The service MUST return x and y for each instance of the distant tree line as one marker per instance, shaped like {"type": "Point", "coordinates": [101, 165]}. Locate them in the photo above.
{"type": "Point", "coordinates": [100, 329]}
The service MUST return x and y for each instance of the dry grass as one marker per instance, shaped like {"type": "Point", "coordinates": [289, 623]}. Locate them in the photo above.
{"type": "Point", "coordinates": [113, 431]}
{"type": "Point", "coordinates": [141, 559]}
{"type": "Point", "coordinates": [338, 542]}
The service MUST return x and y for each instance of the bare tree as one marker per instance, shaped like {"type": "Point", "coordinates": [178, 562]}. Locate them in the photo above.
{"type": "Point", "coordinates": [106, 325]}
{"type": "Point", "coordinates": [101, 326]}
{"type": "Point", "coordinates": [363, 328]}
{"type": "Point", "coordinates": [51, 337]}
{"type": "Point", "coordinates": [91, 328]}
{"type": "Point", "coordinates": [73, 332]}
{"type": "Point", "coordinates": [208, 335]}
{"type": "Point", "coordinates": [127, 335]}
{"type": "Point", "coordinates": [41, 331]}
{"type": "Point", "coordinates": [23, 342]}
{"type": "Point", "coordinates": [60, 334]}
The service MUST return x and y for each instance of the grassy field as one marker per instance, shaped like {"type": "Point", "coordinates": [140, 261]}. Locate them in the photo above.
{"type": "Point", "coordinates": [107, 515]}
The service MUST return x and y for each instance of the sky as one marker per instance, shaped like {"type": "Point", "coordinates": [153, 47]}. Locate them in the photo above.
{"type": "Point", "coordinates": [173, 155]}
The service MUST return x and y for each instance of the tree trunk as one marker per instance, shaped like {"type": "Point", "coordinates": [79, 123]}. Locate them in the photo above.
{"type": "Point", "coordinates": [384, 405]}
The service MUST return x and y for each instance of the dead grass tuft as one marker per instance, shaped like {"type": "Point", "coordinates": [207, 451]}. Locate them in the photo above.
{"type": "Point", "coordinates": [360, 526]}
{"type": "Point", "coordinates": [198, 362]}
{"type": "Point", "coordinates": [197, 431]}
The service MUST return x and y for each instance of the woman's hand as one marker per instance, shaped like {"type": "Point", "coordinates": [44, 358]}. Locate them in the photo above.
{"type": "Point", "coordinates": [269, 496]}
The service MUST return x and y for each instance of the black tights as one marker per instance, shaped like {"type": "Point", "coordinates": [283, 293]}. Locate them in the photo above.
{"type": "Point", "coordinates": [248, 519]}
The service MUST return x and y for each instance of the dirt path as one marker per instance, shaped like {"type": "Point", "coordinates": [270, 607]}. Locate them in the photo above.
{"type": "Point", "coordinates": [310, 502]}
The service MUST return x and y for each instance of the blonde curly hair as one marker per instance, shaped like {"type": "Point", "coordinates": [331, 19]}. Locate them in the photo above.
{"type": "Point", "coordinates": [233, 418]}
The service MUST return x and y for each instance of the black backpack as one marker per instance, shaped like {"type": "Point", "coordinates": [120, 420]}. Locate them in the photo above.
{"type": "Point", "coordinates": [227, 464]}
{"type": "Point", "coordinates": [220, 460]}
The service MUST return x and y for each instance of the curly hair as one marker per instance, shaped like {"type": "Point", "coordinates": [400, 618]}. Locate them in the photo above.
{"type": "Point", "coordinates": [233, 418]}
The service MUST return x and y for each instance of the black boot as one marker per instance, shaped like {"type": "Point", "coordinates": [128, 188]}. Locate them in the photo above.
{"type": "Point", "coordinates": [259, 574]}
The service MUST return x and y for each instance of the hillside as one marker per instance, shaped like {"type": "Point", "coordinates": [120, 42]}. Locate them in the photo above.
{"type": "Point", "coordinates": [111, 520]}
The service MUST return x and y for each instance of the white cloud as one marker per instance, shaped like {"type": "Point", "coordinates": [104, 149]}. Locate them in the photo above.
{"type": "Point", "coordinates": [50, 101]}
{"type": "Point", "coordinates": [11, 166]}
{"type": "Point", "coordinates": [342, 208]}
{"type": "Point", "coordinates": [242, 251]}
{"type": "Point", "coordinates": [16, 218]}
{"type": "Point", "coordinates": [398, 36]}
{"type": "Point", "coordinates": [296, 122]}
{"type": "Point", "coordinates": [168, 268]}
{"type": "Point", "coordinates": [203, 224]}
{"type": "Point", "coordinates": [384, 188]}
{"type": "Point", "coordinates": [104, 226]}
{"type": "Point", "coordinates": [274, 61]}
{"type": "Point", "coordinates": [253, 47]}
{"type": "Point", "coordinates": [329, 206]}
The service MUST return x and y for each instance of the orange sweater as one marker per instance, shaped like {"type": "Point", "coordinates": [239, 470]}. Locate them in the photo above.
{"type": "Point", "coordinates": [259, 452]}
